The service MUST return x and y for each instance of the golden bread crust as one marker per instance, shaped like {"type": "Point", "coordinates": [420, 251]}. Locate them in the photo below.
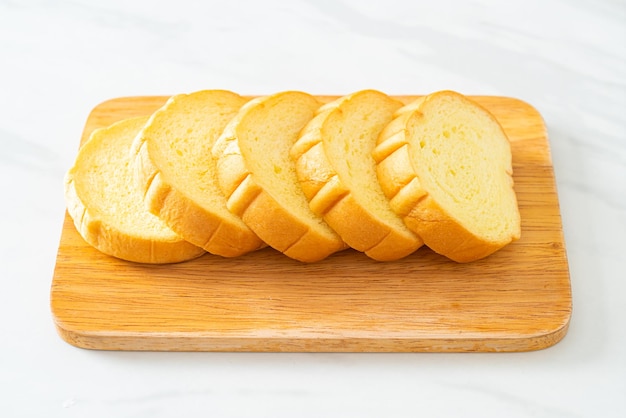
{"type": "Point", "coordinates": [200, 224]}
{"type": "Point", "coordinates": [354, 221]}
{"type": "Point", "coordinates": [273, 221]}
{"type": "Point", "coordinates": [442, 231]}
{"type": "Point", "coordinates": [100, 229]}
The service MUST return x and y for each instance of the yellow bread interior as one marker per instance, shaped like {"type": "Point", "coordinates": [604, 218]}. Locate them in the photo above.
{"type": "Point", "coordinates": [259, 179]}
{"type": "Point", "coordinates": [445, 164]}
{"type": "Point", "coordinates": [341, 182]}
{"type": "Point", "coordinates": [265, 141]}
{"type": "Point", "coordinates": [108, 211]}
{"type": "Point", "coordinates": [349, 136]}
{"type": "Point", "coordinates": [177, 140]}
{"type": "Point", "coordinates": [180, 137]}
{"type": "Point", "coordinates": [463, 158]}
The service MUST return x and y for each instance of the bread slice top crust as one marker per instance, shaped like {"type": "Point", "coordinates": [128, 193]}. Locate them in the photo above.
{"type": "Point", "coordinates": [336, 169]}
{"type": "Point", "coordinates": [446, 166]}
{"type": "Point", "coordinates": [259, 180]}
{"type": "Point", "coordinates": [108, 211]}
{"type": "Point", "coordinates": [175, 170]}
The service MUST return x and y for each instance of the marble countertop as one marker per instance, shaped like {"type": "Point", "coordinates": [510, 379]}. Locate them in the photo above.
{"type": "Point", "coordinates": [58, 59]}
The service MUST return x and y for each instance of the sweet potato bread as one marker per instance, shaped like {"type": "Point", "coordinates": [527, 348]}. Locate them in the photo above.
{"type": "Point", "coordinates": [445, 164]}
{"type": "Point", "coordinates": [337, 172]}
{"type": "Point", "coordinates": [176, 173]}
{"type": "Point", "coordinates": [259, 179]}
{"type": "Point", "coordinates": [214, 171]}
{"type": "Point", "coordinates": [108, 211]}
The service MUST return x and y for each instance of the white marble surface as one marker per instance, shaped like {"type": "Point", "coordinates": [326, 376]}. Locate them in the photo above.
{"type": "Point", "coordinates": [58, 59]}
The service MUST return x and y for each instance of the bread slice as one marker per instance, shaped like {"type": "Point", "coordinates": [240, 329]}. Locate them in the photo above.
{"type": "Point", "coordinates": [259, 178]}
{"type": "Point", "coordinates": [175, 170]}
{"type": "Point", "coordinates": [337, 172]}
{"type": "Point", "coordinates": [445, 164]}
{"type": "Point", "coordinates": [108, 212]}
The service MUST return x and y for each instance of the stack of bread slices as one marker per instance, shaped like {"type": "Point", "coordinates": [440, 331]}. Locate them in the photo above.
{"type": "Point", "coordinates": [215, 172]}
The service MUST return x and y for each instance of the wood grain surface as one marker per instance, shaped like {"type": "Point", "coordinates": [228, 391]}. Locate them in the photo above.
{"type": "Point", "coordinates": [518, 299]}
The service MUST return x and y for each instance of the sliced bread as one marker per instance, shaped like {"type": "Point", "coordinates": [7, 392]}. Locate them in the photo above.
{"type": "Point", "coordinates": [445, 164]}
{"type": "Point", "coordinates": [108, 211]}
{"type": "Point", "coordinates": [258, 177]}
{"type": "Point", "coordinates": [337, 172]}
{"type": "Point", "coordinates": [176, 173]}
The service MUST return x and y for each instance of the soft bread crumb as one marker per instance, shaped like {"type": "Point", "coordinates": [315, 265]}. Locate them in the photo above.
{"type": "Point", "coordinates": [176, 170]}
{"type": "Point", "coordinates": [108, 211]}
{"type": "Point", "coordinates": [445, 163]}
{"type": "Point", "coordinates": [336, 170]}
{"type": "Point", "coordinates": [258, 177]}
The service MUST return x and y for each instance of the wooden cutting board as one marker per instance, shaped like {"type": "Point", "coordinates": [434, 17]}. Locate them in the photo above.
{"type": "Point", "coordinates": [518, 299]}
